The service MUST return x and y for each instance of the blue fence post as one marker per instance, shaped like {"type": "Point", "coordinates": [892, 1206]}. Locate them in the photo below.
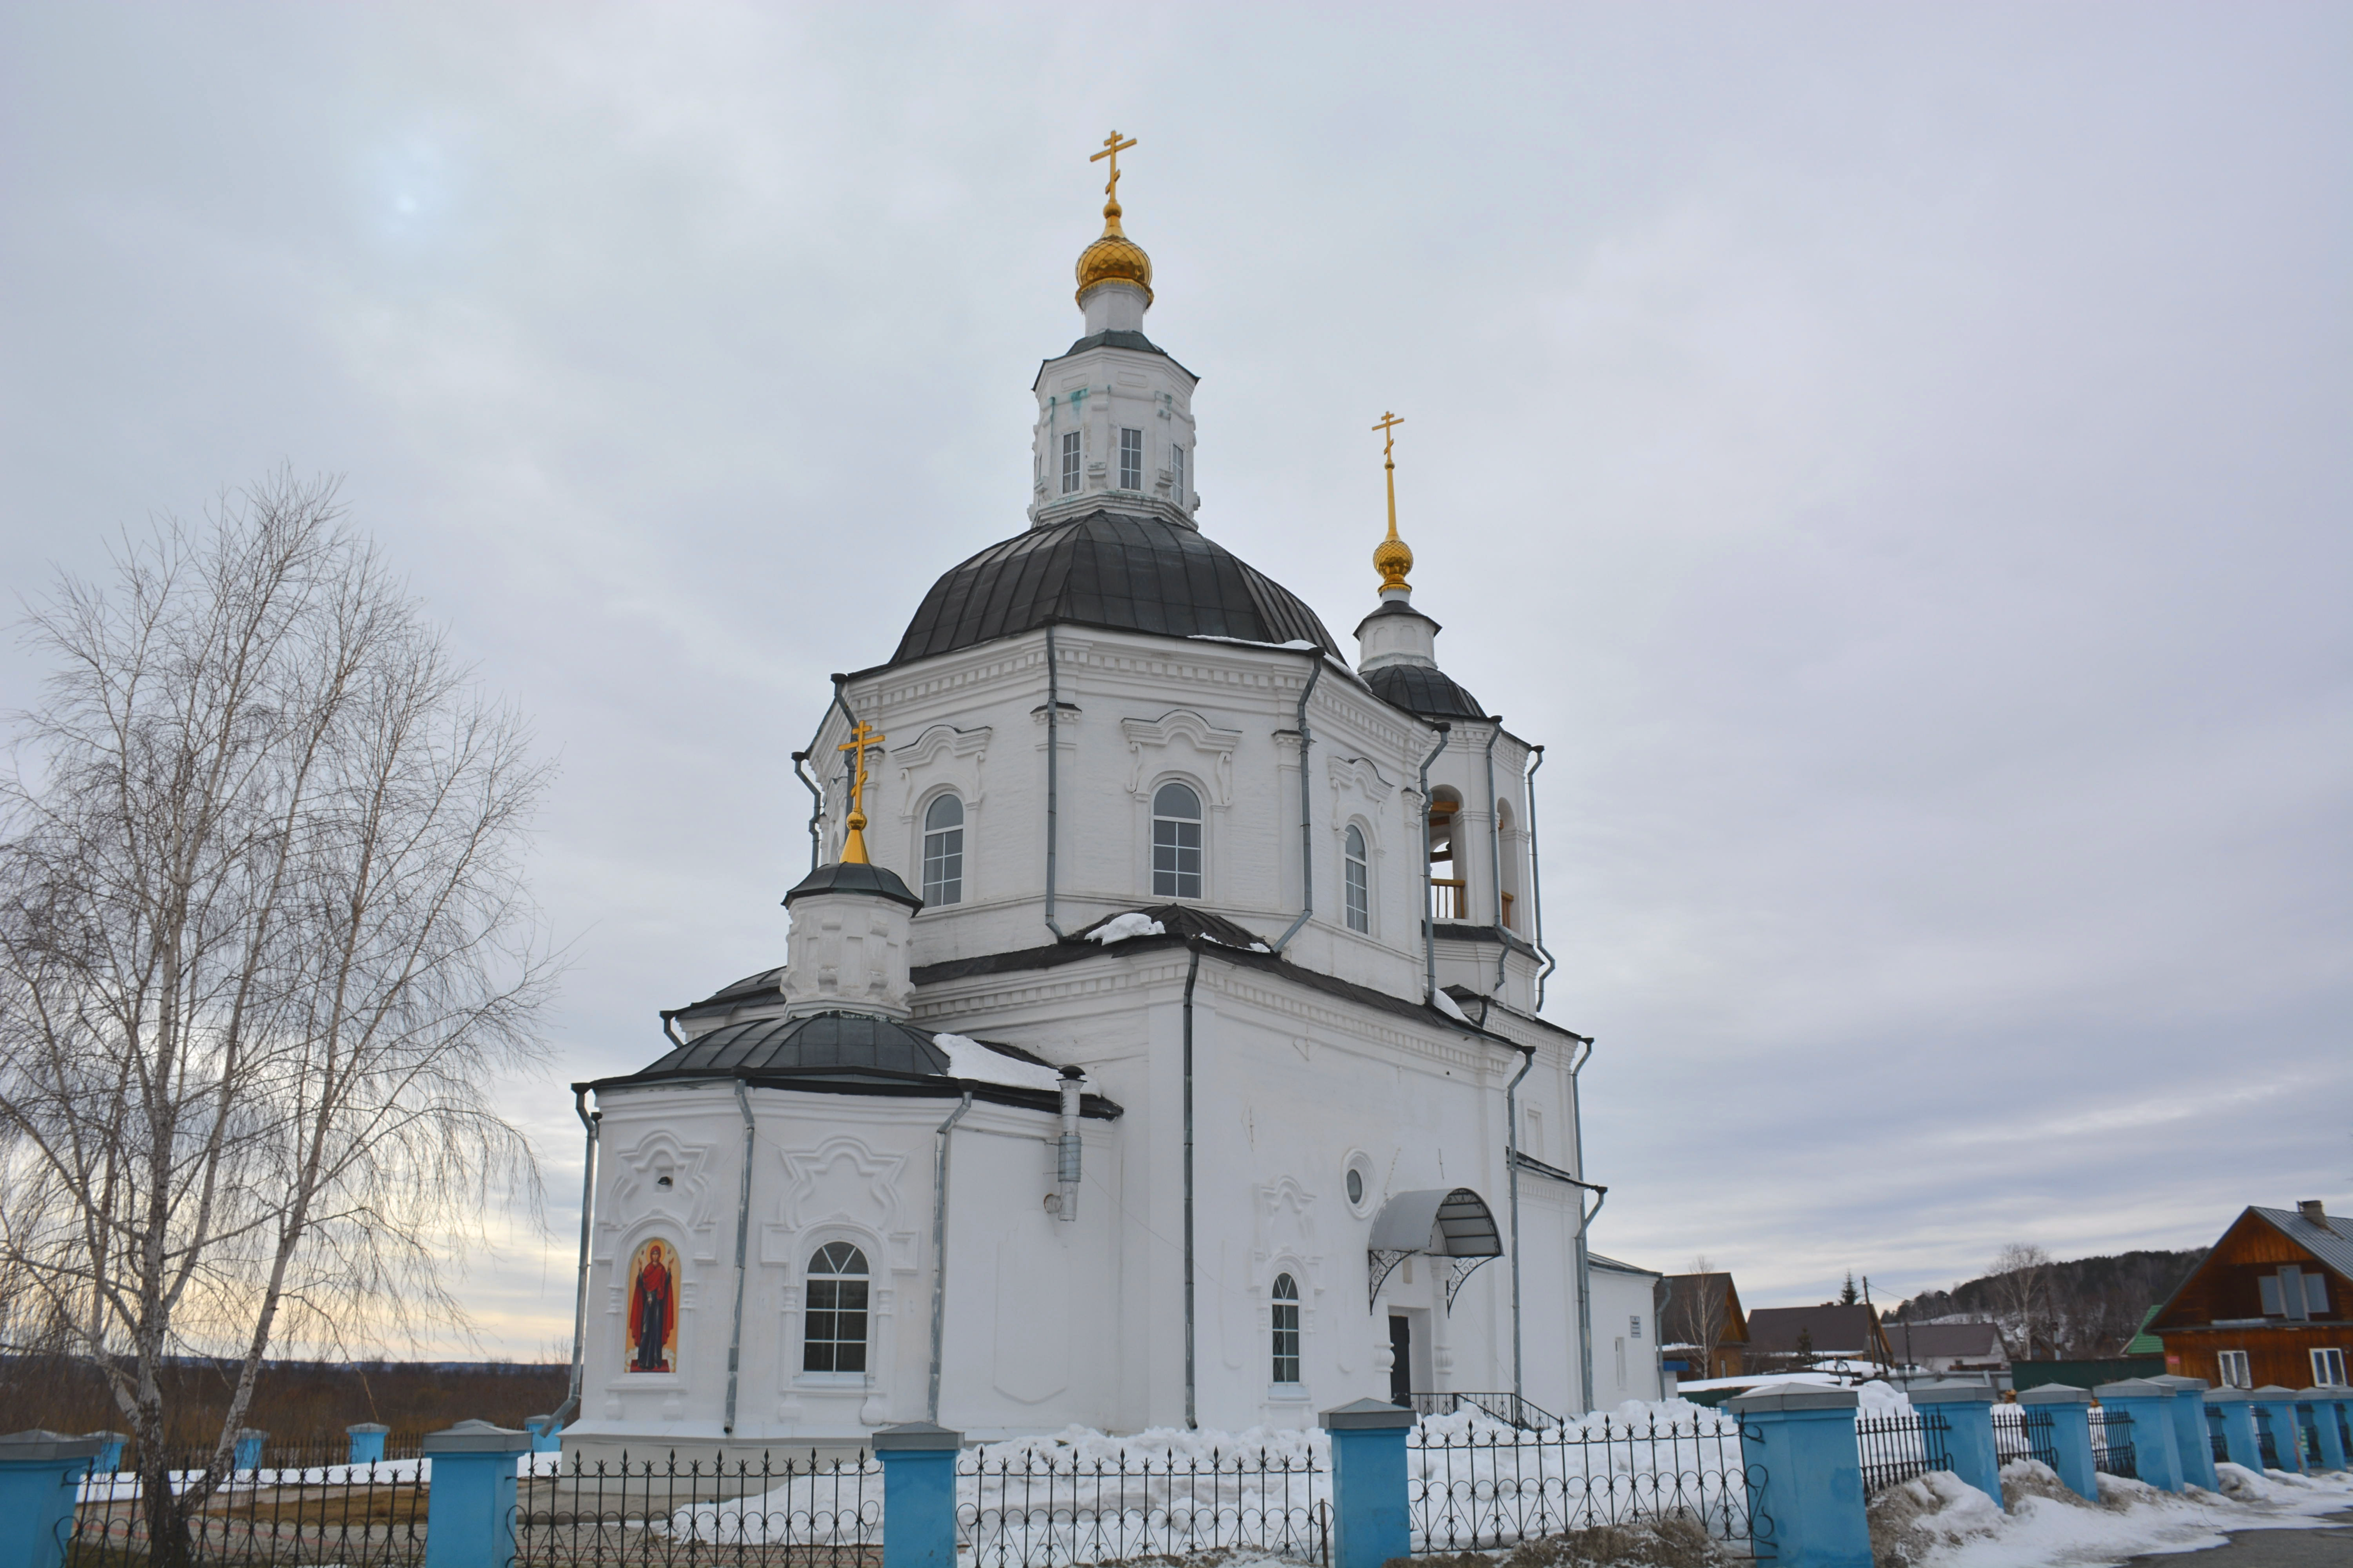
{"type": "Point", "coordinates": [2327, 1427]}
{"type": "Point", "coordinates": [1370, 1519]}
{"type": "Point", "coordinates": [1802, 1441]}
{"type": "Point", "coordinates": [469, 1502]}
{"type": "Point", "coordinates": [246, 1455]}
{"type": "Point", "coordinates": [2237, 1406]}
{"type": "Point", "coordinates": [40, 1480]}
{"type": "Point", "coordinates": [1968, 1406]}
{"type": "Point", "coordinates": [919, 1494]}
{"type": "Point", "coordinates": [2070, 1433]}
{"type": "Point", "coordinates": [109, 1452]}
{"type": "Point", "coordinates": [2287, 1437]}
{"type": "Point", "coordinates": [367, 1442]}
{"type": "Point", "coordinates": [2150, 1405]}
{"type": "Point", "coordinates": [2192, 1440]}
{"type": "Point", "coordinates": [542, 1430]}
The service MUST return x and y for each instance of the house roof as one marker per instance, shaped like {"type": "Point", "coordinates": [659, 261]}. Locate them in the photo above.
{"type": "Point", "coordinates": [2328, 1241]}
{"type": "Point", "coordinates": [1683, 1288]}
{"type": "Point", "coordinates": [1913, 1341]}
{"type": "Point", "coordinates": [1831, 1330]}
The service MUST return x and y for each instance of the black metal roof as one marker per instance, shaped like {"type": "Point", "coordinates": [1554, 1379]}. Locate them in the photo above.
{"type": "Point", "coordinates": [842, 876]}
{"type": "Point", "coordinates": [1424, 690]}
{"type": "Point", "coordinates": [1107, 569]}
{"type": "Point", "coordinates": [835, 1045]}
{"type": "Point", "coordinates": [1116, 339]}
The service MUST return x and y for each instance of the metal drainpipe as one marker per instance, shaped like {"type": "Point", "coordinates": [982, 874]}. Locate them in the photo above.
{"type": "Point", "coordinates": [1192, 972]}
{"type": "Point", "coordinates": [588, 1119]}
{"type": "Point", "coordinates": [1429, 917]}
{"type": "Point", "coordinates": [1512, 1155]}
{"type": "Point", "coordinates": [1053, 774]}
{"type": "Point", "coordinates": [940, 1250]}
{"type": "Point", "coordinates": [1584, 1223]}
{"type": "Point", "coordinates": [1535, 892]}
{"type": "Point", "coordinates": [1306, 822]}
{"type": "Point", "coordinates": [1495, 857]}
{"type": "Point", "coordinates": [1067, 1148]}
{"type": "Point", "coordinates": [816, 800]}
{"type": "Point", "coordinates": [742, 1226]}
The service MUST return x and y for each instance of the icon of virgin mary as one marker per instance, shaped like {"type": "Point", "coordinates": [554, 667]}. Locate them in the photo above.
{"type": "Point", "coordinates": [653, 1310]}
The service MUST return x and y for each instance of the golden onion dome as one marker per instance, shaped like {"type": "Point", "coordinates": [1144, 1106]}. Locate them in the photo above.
{"type": "Point", "coordinates": [1114, 258]}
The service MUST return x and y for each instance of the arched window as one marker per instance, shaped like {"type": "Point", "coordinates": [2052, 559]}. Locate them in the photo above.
{"type": "Point", "coordinates": [1175, 842]}
{"type": "Point", "coordinates": [1358, 880]}
{"type": "Point", "coordinates": [835, 1339]}
{"type": "Point", "coordinates": [1286, 1329]}
{"type": "Point", "coordinates": [944, 852]}
{"type": "Point", "coordinates": [1448, 887]}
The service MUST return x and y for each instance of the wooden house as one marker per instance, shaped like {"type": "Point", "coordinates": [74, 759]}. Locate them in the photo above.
{"type": "Point", "coordinates": [2272, 1303]}
{"type": "Point", "coordinates": [1704, 1327]}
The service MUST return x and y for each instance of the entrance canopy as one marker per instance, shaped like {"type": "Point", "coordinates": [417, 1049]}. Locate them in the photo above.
{"type": "Point", "coordinates": [1442, 1222]}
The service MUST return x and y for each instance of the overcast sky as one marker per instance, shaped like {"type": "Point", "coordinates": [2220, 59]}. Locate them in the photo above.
{"type": "Point", "coordinates": [1897, 459]}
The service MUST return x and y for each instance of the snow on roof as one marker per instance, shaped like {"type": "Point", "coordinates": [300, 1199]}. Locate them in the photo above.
{"type": "Point", "coordinates": [1119, 928]}
{"type": "Point", "coordinates": [970, 1059]}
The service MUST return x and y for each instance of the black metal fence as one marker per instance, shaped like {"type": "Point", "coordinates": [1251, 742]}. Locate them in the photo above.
{"type": "Point", "coordinates": [1483, 1487]}
{"type": "Point", "coordinates": [800, 1509]}
{"type": "Point", "coordinates": [2111, 1443]}
{"type": "Point", "coordinates": [2024, 1432]}
{"type": "Point", "coordinates": [1509, 1408]}
{"type": "Point", "coordinates": [1026, 1508]}
{"type": "Point", "coordinates": [2266, 1446]}
{"type": "Point", "coordinates": [1897, 1449]}
{"type": "Point", "coordinates": [293, 1508]}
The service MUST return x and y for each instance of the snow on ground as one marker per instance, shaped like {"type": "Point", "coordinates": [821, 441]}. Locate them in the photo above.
{"type": "Point", "coordinates": [1939, 1521]}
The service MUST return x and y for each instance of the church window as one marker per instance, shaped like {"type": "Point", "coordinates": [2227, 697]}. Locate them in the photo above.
{"type": "Point", "coordinates": [1070, 462]}
{"type": "Point", "coordinates": [1355, 1185]}
{"type": "Point", "coordinates": [944, 852]}
{"type": "Point", "coordinates": [835, 1338]}
{"type": "Point", "coordinates": [1177, 458]}
{"type": "Point", "coordinates": [1359, 888]}
{"type": "Point", "coordinates": [1130, 459]}
{"type": "Point", "coordinates": [1286, 1329]}
{"type": "Point", "coordinates": [1175, 842]}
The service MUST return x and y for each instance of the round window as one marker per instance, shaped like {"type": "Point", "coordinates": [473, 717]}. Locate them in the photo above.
{"type": "Point", "coordinates": [1356, 1186]}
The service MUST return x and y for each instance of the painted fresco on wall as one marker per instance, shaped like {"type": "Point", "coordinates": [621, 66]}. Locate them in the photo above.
{"type": "Point", "coordinates": [653, 1308]}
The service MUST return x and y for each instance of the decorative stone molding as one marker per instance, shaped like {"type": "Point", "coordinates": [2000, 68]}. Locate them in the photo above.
{"type": "Point", "coordinates": [1155, 746]}
{"type": "Point", "coordinates": [941, 754]}
{"type": "Point", "coordinates": [1361, 775]}
{"type": "Point", "coordinates": [842, 1182]}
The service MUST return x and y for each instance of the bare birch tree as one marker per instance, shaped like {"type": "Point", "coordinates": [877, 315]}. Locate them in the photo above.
{"type": "Point", "coordinates": [1703, 1313]}
{"type": "Point", "coordinates": [265, 949]}
{"type": "Point", "coordinates": [2021, 1292]}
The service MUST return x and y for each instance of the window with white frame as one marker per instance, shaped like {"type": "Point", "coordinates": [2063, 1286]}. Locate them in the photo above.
{"type": "Point", "coordinates": [1358, 875]}
{"type": "Point", "coordinates": [1177, 459]}
{"type": "Point", "coordinates": [1286, 1329]}
{"type": "Point", "coordinates": [2329, 1369]}
{"type": "Point", "coordinates": [1070, 455]}
{"type": "Point", "coordinates": [1130, 459]}
{"type": "Point", "coordinates": [1175, 842]}
{"type": "Point", "coordinates": [944, 852]}
{"type": "Point", "coordinates": [2232, 1365]}
{"type": "Point", "coordinates": [834, 1332]}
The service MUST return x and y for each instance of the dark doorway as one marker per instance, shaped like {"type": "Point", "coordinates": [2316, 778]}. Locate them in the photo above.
{"type": "Point", "coordinates": [1401, 1361]}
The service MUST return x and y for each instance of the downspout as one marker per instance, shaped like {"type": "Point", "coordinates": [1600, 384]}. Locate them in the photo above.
{"type": "Point", "coordinates": [1429, 920]}
{"type": "Point", "coordinates": [1535, 892]}
{"type": "Point", "coordinates": [1496, 859]}
{"type": "Point", "coordinates": [1067, 1148]}
{"type": "Point", "coordinates": [1584, 1222]}
{"type": "Point", "coordinates": [816, 800]}
{"type": "Point", "coordinates": [742, 1227]}
{"type": "Point", "coordinates": [940, 1250]}
{"type": "Point", "coordinates": [588, 1119]}
{"type": "Point", "coordinates": [1192, 972]}
{"type": "Point", "coordinates": [1053, 774]}
{"type": "Point", "coordinates": [1306, 822]}
{"type": "Point", "coordinates": [1511, 1160]}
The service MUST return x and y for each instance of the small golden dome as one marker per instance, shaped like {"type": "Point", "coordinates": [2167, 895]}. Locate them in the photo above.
{"type": "Point", "coordinates": [1392, 559]}
{"type": "Point", "coordinates": [1114, 258]}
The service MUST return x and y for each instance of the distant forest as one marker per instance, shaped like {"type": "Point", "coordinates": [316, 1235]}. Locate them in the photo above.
{"type": "Point", "coordinates": [294, 1401]}
{"type": "Point", "coordinates": [2082, 1309]}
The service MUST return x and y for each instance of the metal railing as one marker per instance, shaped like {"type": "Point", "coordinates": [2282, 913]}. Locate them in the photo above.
{"type": "Point", "coordinates": [2022, 1431]}
{"type": "Point", "coordinates": [1482, 1488]}
{"type": "Point", "coordinates": [2216, 1438]}
{"type": "Point", "coordinates": [291, 1509]}
{"type": "Point", "coordinates": [1897, 1449]}
{"type": "Point", "coordinates": [2111, 1443]}
{"type": "Point", "coordinates": [2267, 1447]}
{"type": "Point", "coordinates": [1032, 1508]}
{"type": "Point", "coordinates": [781, 1508]}
{"type": "Point", "coordinates": [1509, 1408]}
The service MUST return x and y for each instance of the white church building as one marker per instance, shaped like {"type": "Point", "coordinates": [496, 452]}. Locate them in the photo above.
{"type": "Point", "coordinates": [1156, 1042]}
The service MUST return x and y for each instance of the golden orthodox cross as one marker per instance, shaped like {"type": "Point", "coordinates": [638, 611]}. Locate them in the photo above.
{"type": "Point", "coordinates": [1113, 148]}
{"type": "Point", "coordinates": [860, 738]}
{"type": "Point", "coordinates": [1389, 422]}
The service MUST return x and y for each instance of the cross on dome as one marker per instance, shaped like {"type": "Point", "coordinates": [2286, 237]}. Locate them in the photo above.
{"type": "Point", "coordinates": [1391, 559]}
{"type": "Point", "coordinates": [1113, 257]}
{"type": "Point", "coordinates": [862, 736]}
